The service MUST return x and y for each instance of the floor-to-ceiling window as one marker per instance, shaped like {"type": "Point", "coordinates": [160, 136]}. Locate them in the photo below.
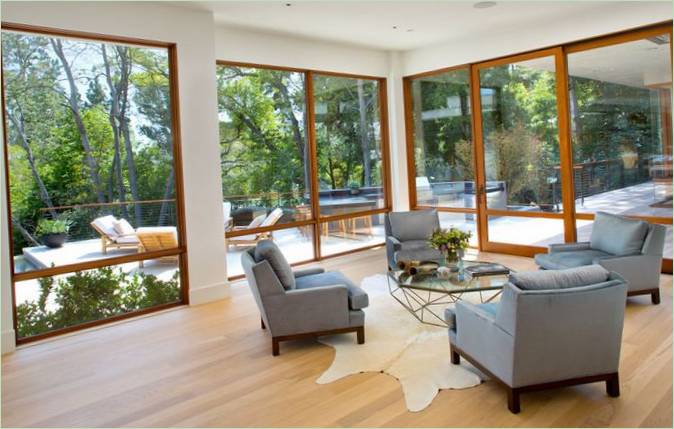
{"type": "Point", "coordinates": [560, 134]}
{"type": "Point", "coordinates": [440, 124]}
{"type": "Point", "coordinates": [620, 97]}
{"type": "Point", "coordinates": [302, 161]}
{"type": "Point", "coordinates": [93, 166]}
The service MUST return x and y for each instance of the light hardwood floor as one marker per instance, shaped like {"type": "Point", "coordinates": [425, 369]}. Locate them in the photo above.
{"type": "Point", "coordinates": [211, 365]}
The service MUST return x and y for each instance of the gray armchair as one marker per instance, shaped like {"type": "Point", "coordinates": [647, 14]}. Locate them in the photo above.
{"type": "Point", "coordinates": [303, 303]}
{"type": "Point", "coordinates": [407, 234]}
{"type": "Point", "coordinates": [632, 248]}
{"type": "Point", "coordinates": [565, 329]}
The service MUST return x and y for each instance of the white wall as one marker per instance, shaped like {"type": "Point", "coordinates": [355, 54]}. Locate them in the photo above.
{"type": "Point", "coordinates": [193, 33]}
{"type": "Point", "coordinates": [609, 18]}
{"type": "Point", "coordinates": [234, 44]}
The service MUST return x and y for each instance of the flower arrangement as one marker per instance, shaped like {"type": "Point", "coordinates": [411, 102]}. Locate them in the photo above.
{"type": "Point", "coordinates": [451, 242]}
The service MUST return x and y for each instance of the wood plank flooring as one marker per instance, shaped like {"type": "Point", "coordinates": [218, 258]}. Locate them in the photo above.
{"type": "Point", "coordinates": [211, 365]}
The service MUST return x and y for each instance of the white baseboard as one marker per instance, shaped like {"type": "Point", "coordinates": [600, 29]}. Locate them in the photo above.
{"type": "Point", "coordinates": [209, 293]}
{"type": "Point", "coordinates": [8, 341]}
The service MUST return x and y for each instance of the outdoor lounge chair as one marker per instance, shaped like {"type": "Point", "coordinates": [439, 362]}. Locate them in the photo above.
{"type": "Point", "coordinates": [227, 213]}
{"type": "Point", "coordinates": [111, 236]}
{"type": "Point", "coordinates": [259, 222]}
{"type": "Point", "coordinates": [157, 238]}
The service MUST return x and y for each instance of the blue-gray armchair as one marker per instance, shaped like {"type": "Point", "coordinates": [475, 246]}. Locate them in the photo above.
{"type": "Point", "coordinates": [632, 248]}
{"type": "Point", "coordinates": [550, 329]}
{"type": "Point", "coordinates": [302, 303]}
{"type": "Point", "coordinates": [407, 236]}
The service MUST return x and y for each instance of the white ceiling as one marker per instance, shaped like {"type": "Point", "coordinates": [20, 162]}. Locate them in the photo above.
{"type": "Point", "coordinates": [370, 23]}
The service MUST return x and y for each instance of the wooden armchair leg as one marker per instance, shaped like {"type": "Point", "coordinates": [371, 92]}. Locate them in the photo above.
{"type": "Point", "coordinates": [262, 324]}
{"type": "Point", "coordinates": [613, 386]}
{"type": "Point", "coordinates": [456, 358]}
{"type": "Point", "coordinates": [275, 349]}
{"type": "Point", "coordinates": [513, 400]}
{"type": "Point", "coordinates": [655, 297]}
{"type": "Point", "coordinates": [360, 335]}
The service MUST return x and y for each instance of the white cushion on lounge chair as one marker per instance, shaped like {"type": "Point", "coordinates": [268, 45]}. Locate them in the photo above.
{"type": "Point", "coordinates": [273, 217]}
{"type": "Point", "coordinates": [123, 227]}
{"type": "Point", "coordinates": [257, 221]}
{"type": "Point", "coordinates": [107, 225]}
{"type": "Point", "coordinates": [226, 210]}
{"type": "Point", "coordinates": [127, 239]}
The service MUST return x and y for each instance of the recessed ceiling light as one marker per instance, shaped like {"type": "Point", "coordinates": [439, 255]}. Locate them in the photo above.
{"type": "Point", "coordinates": [395, 27]}
{"type": "Point", "coordinates": [409, 30]}
{"type": "Point", "coordinates": [484, 4]}
{"type": "Point", "coordinates": [289, 4]}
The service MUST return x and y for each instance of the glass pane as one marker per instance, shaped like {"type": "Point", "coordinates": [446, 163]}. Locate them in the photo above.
{"type": "Point", "coordinates": [52, 303]}
{"type": "Point", "coordinates": [443, 147]}
{"type": "Point", "coordinates": [521, 143]}
{"type": "Point", "coordinates": [464, 221]}
{"type": "Point", "coordinates": [90, 149]}
{"type": "Point", "coordinates": [263, 142]}
{"type": "Point", "coordinates": [348, 139]}
{"type": "Point", "coordinates": [621, 117]}
{"type": "Point", "coordinates": [351, 234]}
{"type": "Point", "coordinates": [295, 243]}
{"type": "Point", "coordinates": [528, 231]}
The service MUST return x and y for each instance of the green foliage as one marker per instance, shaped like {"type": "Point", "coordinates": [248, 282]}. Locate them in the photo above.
{"type": "Point", "coordinates": [92, 295]}
{"type": "Point", "coordinates": [449, 240]}
{"type": "Point", "coordinates": [60, 225]}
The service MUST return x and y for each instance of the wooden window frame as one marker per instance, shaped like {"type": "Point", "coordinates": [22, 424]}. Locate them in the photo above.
{"type": "Point", "coordinates": [560, 53]}
{"type": "Point", "coordinates": [180, 251]}
{"type": "Point", "coordinates": [316, 219]}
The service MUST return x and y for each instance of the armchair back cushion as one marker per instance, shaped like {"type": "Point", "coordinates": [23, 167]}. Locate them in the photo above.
{"type": "Point", "coordinates": [618, 235]}
{"type": "Point", "coordinates": [268, 251]}
{"type": "Point", "coordinates": [560, 279]}
{"type": "Point", "coordinates": [413, 225]}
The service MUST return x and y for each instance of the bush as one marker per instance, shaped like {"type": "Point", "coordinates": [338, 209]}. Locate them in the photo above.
{"type": "Point", "coordinates": [92, 295]}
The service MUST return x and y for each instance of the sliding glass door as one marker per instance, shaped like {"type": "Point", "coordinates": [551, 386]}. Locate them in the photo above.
{"type": "Point", "coordinates": [554, 136]}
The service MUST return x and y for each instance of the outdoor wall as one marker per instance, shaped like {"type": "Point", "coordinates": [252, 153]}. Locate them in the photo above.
{"type": "Point", "coordinates": [609, 18]}
{"type": "Point", "coordinates": [193, 33]}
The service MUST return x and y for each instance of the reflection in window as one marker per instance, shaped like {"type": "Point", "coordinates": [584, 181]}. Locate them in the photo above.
{"type": "Point", "coordinates": [263, 145]}
{"type": "Point", "coordinates": [90, 148]}
{"type": "Point", "coordinates": [348, 140]}
{"type": "Point", "coordinates": [620, 100]}
{"type": "Point", "coordinates": [443, 150]}
{"type": "Point", "coordinates": [521, 144]}
{"type": "Point", "coordinates": [347, 235]}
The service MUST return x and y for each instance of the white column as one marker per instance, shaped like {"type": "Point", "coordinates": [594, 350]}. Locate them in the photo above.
{"type": "Point", "coordinates": [396, 110]}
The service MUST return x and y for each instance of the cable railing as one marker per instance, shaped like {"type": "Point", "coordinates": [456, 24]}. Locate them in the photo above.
{"type": "Point", "coordinates": [137, 213]}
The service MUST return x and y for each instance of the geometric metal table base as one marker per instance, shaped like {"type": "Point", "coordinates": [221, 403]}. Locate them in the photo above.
{"type": "Point", "coordinates": [428, 306]}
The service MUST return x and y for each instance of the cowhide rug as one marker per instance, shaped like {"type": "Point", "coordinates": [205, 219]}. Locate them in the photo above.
{"type": "Point", "coordinates": [396, 343]}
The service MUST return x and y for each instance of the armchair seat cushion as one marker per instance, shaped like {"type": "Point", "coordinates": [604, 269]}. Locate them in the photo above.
{"type": "Point", "coordinates": [358, 298]}
{"type": "Point", "coordinates": [421, 254]}
{"type": "Point", "coordinates": [563, 260]}
{"type": "Point", "coordinates": [450, 313]}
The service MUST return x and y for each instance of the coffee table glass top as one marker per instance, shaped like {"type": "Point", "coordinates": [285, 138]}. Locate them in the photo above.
{"type": "Point", "coordinates": [433, 282]}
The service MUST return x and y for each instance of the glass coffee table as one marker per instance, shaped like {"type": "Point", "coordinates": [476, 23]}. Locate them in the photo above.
{"type": "Point", "coordinates": [427, 295]}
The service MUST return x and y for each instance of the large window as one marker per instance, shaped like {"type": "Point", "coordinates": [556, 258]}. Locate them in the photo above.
{"type": "Point", "coordinates": [298, 146]}
{"type": "Point", "coordinates": [92, 174]}
{"type": "Point", "coordinates": [560, 134]}
{"type": "Point", "coordinates": [621, 115]}
{"type": "Point", "coordinates": [443, 146]}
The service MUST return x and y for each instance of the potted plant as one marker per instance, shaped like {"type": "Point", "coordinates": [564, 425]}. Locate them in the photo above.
{"type": "Point", "coordinates": [354, 188]}
{"type": "Point", "coordinates": [53, 232]}
{"type": "Point", "coordinates": [450, 242]}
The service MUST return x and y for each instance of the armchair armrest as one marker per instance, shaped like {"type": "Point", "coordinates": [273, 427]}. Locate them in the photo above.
{"type": "Point", "coordinates": [308, 310]}
{"type": "Point", "coordinates": [639, 271]}
{"type": "Point", "coordinates": [308, 272]}
{"type": "Point", "coordinates": [394, 242]}
{"type": "Point", "coordinates": [569, 247]}
{"type": "Point", "coordinates": [392, 246]}
{"type": "Point", "coordinates": [478, 335]}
